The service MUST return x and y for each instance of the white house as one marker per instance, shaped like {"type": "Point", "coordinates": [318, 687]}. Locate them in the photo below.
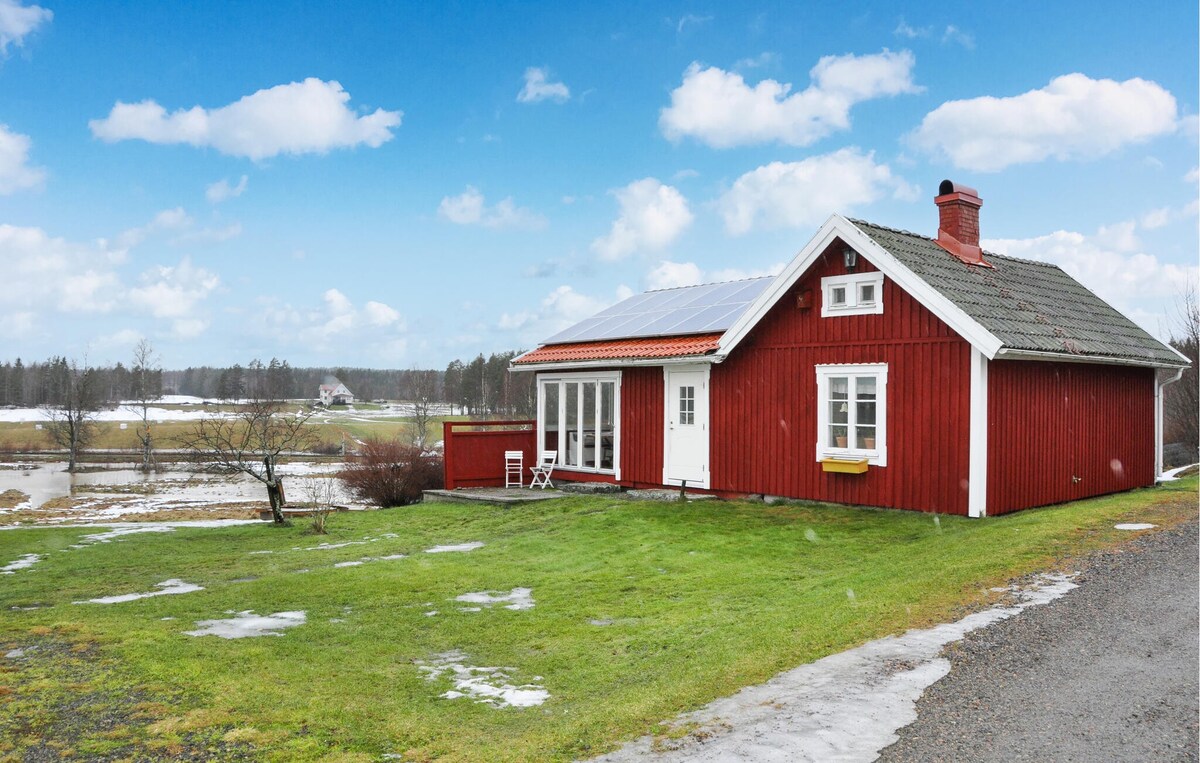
{"type": "Point", "coordinates": [335, 393]}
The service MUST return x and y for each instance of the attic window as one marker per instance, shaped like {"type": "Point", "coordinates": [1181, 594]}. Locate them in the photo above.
{"type": "Point", "coordinates": [853, 294]}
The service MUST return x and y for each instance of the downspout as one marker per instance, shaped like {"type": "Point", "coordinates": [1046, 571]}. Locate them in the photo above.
{"type": "Point", "coordinates": [1159, 386]}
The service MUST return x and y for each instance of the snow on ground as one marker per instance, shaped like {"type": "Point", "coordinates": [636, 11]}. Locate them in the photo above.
{"type": "Point", "coordinates": [1173, 474]}
{"type": "Point", "coordinates": [460, 547]}
{"type": "Point", "coordinates": [517, 598]}
{"type": "Point", "coordinates": [248, 625]}
{"type": "Point", "coordinates": [1134, 526]}
{"type": "Point", "coordinates": [165, 588]}
{"type": "Point", "coordinates": [484, 685]}
{"type": "Point", "coordinates": [844, 707]}
{"type": "Point", "coordinates": [24, 563]}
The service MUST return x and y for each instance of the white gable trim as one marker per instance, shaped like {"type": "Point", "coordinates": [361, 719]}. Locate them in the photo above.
{"type": "Point", "coordinates": [839, 227]}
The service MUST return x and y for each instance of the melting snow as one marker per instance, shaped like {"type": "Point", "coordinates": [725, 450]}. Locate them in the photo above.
{"type": "Point", "coordinates": [460, 547]}
{"type": "Point", "coordinates": [1134, 526]}
{"type": "Point", "coordinates": [517, 598]}
{"type": "Point", "coordinates": [844, 707]}
{"type": "Point", "coordinates": [350, 564]}
{"type": "Point", "coordinates": [25, 562]}
{"type": "Point", "coordinates": [484, 685]}
{"type": "Point", "coordinates": [1173, 474]}
{"type": "Point", "coordinates": [247, 625]}
{"type": "Point", "coordinates": [165, 588]}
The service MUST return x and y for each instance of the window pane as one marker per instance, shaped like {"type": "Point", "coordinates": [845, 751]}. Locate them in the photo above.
{"type": "Point", "coordinates": [839, 387]}
{"type": "Point", "coordinates": [572, 424]}
{"type": "Point", "coordinates": [865, 437]}
{"type": "Point", "coordinates": [838, 295]}
{"type": "Point", "coordinates": [607, 428]}
{"type": "Point", "coordinates": [865, 412]}
{"type": "Point", "coordinates": [837, 436]}
{"type": "Point", "coordinates": [550, 416]}
{"type": "Point", "coordinates": [589, 424]}
{"type": "Point", "coordinates": [687, 405]}
{"type": "Point", "coordinates": [839, 412]}
{"type": "Point", "coordinates": [865, 387]}
{"type": "Point", "coordinates": [866, 293]}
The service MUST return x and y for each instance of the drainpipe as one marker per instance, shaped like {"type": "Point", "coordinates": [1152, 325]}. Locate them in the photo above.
{"type": "Point", "coordinates": [1158, 421]}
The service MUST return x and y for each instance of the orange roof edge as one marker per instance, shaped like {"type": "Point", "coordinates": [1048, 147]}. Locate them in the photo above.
{"type": "Point", "coordinates": [623, 349]}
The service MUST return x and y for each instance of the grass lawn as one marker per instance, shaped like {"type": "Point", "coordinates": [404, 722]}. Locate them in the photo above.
{"type": "Point", "coordinates": [695, 600]}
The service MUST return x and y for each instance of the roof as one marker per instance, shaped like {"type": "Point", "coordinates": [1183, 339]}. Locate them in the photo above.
{"type": "Point", "coordinates": [1029, 306]}
{"type": "Point", "coordinates": [623, 349]}
{"type": "Point", "coordinates": [702, 309]}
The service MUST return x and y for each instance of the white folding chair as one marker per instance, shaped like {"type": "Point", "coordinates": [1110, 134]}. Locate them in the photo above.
{"type": "Point", "coordinates": [514, 468]}
{"type": "Point", "coordinates": [542, 472]}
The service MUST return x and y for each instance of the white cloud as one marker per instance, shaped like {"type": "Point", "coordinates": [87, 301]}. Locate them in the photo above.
{"type": "Point", "coordinates": [17, 21]}
{"type": "Point", "coordinates": [1192, 176]}
{"type": "Point", "coordinates": [173, 291]}
{"type": "Point", "coordinates": [15, 171]}
{"type": "Point", "coordinates": [561, 308]}
{"type": "Point", "coordinates": [766, 59]}
{"type": "Point", "coordinates": [906, 30]}
{"type": "Point", "coordinates": [468, 208]}
{"type": "Point", "coordinates": [718, 108]}
{"type": "Point", "coordinates": [222, 190]}
{"type": "Point", "coordinates": [379, 314]}
{"type": "Point", "coordinates": [209, 235]}
{"type": "Point", "coordinates": [1156, 218]}
{"type": "Point", "coordinates": [336, 323]}
{"type": "Point", "coordinates": [298, 118]}
{"type": "Point", "coordinates": [1138, 284]}
{"type": "Point", "coordinates": [188, 328]}
{"type": "Point", "coordinates": [167, 220]}
{"type": "Point", "coordinates": [652, 216]}
{"type": "Point", "coordinates": [954, 34]}
{"type": "Point", "coordinates": [669, 275]}
{"type": "Point", "coordinates": [16, 325]}
{"type": "Point", "coordinates": [538, 88]}
{"type": "Point", "coordinates": [804, 193]}
{"type": "Point", "coordinates": [41, 271]}
{"type": "Point", "coordinates": [1073, 117]}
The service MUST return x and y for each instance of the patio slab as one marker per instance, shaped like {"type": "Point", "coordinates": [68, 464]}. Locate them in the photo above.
{"type": "Point", "coordinates": [498, 496]}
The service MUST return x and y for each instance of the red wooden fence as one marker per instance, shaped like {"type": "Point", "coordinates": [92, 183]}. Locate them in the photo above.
{"type": "Point", "coordinates": [474, 450]}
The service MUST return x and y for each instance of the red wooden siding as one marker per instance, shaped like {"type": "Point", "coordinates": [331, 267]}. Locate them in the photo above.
{"type": "Point", "coordinates": [642, 426]}
{"type": "Point", "coordinates": [763, 402]}
{"type": "Point", "coordinates": [1063, 431]}
{"type": "Point", "coordinates": [476, 458]}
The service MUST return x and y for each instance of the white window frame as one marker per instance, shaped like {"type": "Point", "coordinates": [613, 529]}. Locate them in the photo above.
{"type": "Point", "coordinates": [543, 380]}
{"type": "Point", "coordinates": [826, 449]}
{"type": "Point", "coordinates": [853, 284]}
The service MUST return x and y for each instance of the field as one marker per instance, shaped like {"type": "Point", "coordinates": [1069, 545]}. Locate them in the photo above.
{"type": "Point", "coordinates": [635, 611]}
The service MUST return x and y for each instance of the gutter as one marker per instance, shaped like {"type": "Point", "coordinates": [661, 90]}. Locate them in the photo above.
{"type": "Point", "coordinates": [1159, 387]}
{"type": "Point", "coordinates": [1005, 353]}
{"type": "Point", "coordinates": [569, 365]}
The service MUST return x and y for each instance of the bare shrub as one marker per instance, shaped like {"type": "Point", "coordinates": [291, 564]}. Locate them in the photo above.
{"type": "Point", "coordinates": [391, 473]}
{"type": "Point", "coordinates": [321, 494]}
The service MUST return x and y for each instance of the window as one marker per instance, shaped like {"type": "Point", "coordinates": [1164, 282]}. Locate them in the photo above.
{"type": "Point", "coordinates": [854, 294]}
{"type": "Point", "coordinates": [687, 406]}
{"type": "Point", "coordinates": [578, 418]}
{"type": "Point", "coordinates": [852, 412]}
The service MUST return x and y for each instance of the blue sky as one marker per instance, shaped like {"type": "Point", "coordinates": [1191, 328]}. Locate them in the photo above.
{"type": "Point", "coordinates": [398, 185]}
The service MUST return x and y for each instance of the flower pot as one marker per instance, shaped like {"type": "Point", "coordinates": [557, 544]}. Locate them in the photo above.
{"type": "Point", "coordinates": [841, 441]}
{"type": "Point", "coordinates": [869, 443]}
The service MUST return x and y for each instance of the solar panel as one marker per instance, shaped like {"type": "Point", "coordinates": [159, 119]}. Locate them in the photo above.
{"type": "Point", "coordinates": [669, 312]}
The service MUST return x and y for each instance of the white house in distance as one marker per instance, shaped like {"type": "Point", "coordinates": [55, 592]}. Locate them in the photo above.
{"type": "Point", "coordinates": [333, 392]}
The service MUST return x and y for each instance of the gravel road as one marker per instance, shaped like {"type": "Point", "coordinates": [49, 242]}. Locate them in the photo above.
{"type": "Point", "coordinates": [1106, 673]}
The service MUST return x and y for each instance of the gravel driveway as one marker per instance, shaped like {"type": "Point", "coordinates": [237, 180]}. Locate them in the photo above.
{"type": "Point", "coordinates": [1108, 672]}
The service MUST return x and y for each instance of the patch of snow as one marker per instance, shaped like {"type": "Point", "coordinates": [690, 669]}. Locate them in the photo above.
{"type": "Point", "coordinates": [351, 564]}
{"type": "Point", "coordinates": [844, 707]}
{"type": "Point", "coordinates": [329, 546]}
{"type": "Point", "coordinates": [24, 563]}
{"type": "Point", "coordinates": [13, 654]}
{"type": "Point", "coordinates": [1134, 526]}
{"type": "Point", "coordinates": [165, 588]}
{"type": "Point", "coordinates": [431, 613]}
{"type": "Point", "coordinates": [517, 598]}
{"type": "Point", "coordinates": [1173, 474]}
{"type": "Point", "coordinates": [486, 686]}
{"type": "Point", "coordinates": [254, 553]}
{"type": "Point", "coordinates": [459, 547]}
{"type": "Point", "coordinates": [249, 625]}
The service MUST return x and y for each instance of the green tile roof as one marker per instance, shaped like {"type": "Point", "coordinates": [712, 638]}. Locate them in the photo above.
{"type": "Point", "coordinates": [1027, 305]}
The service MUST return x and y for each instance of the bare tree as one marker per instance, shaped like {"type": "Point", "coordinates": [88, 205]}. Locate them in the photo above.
{"type": "Point", "coordinates": [143, 376]}
{"type": "Point", "coordinates": [72, 422]}
{"type": "Point", "coordinates": [322, 492]}
{"type": "Point", "coordinates": [422, 393]}
{"type": "Point", "coordinates": [251, 440]}
{"type": "Point", "coordinates": [1181, 402]}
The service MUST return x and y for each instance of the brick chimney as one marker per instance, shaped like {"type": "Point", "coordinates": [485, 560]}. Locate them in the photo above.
{"type": "Point", "coordinates": [958, 222]}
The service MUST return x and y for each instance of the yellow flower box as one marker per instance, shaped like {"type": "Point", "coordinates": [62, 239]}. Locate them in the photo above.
{"type": "Point", "coordinates": [844, 465]}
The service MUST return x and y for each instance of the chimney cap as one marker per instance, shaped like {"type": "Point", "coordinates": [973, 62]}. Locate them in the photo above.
{"type": "Point", "coordinates": [948, 187]}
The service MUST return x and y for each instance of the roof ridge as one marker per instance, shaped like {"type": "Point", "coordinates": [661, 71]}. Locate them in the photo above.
{"type": "Point", "coordinates": [710, 283]}
{"type": "Point", "coordinates": [903, 232]}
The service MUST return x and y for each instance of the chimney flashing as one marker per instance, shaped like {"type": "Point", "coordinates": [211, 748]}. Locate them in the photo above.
{"type": "Point", "coordinates": [958, 222]}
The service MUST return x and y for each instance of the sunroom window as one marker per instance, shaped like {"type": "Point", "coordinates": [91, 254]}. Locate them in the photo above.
{"type": "Point", "coordinates": [852, 412]}
{"type": "Point", "coordinates": [853, 294]}
{"type": "Point", "coordinates": [578, 418]}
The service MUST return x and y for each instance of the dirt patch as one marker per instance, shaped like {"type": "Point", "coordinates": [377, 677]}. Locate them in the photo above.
{"type": "Point", "coordinates": [93, 509]}
{"type": "Point", "coordinates": [64, 700]}
{"type": "Point", "coordinates": [11, 499]}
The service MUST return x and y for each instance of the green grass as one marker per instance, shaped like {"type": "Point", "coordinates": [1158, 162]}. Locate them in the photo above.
{"type": "Point", "coordinates": [704, 598]}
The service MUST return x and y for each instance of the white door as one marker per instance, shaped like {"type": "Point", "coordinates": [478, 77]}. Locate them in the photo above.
{"type": "Point", "coordinates": [686, 446]}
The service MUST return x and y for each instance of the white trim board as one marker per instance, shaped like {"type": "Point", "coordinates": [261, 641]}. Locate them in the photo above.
{"type": "Point", "coordinates": [977, 453]}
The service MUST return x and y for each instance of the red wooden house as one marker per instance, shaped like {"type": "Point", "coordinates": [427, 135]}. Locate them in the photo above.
{"type": "Point", "coordinates": [880, 368]}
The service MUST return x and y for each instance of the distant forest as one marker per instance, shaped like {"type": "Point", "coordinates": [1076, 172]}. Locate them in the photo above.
{"type": "Point", "coordinates": [483, 386]}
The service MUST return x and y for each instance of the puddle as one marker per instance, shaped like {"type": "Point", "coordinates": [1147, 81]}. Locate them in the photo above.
{"type": "Point", "coordinates": [1134, 526]}
{"type": "Point", "coordinates": [165, 588]}
{"type": "Point", "coordinates": [846, 707]}
{"type": "Point", "coordinates": [24, 563]}
{"type": "Point", "coordinates": [249, 625]}
{"type": "Point", "coordinates": [460, 547]}
{"type": "Point", "coordinates": [517, 598]}
{"type": "Point", "coordinates": [487, 686]}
